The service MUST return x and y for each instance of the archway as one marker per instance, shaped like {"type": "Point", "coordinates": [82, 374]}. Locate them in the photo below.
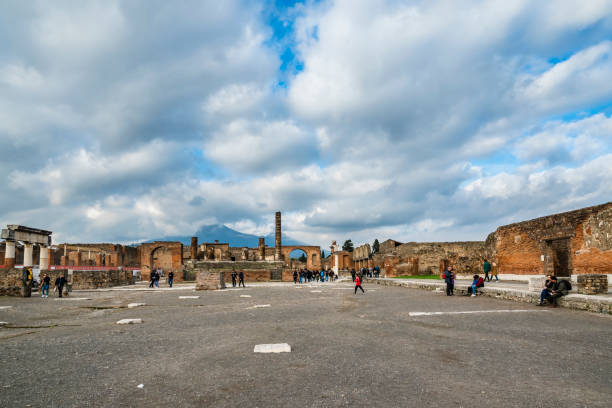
{"type": "Point", "coordinates": [298, 259]}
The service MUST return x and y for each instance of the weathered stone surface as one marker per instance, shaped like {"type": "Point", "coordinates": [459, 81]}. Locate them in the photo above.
{"type": "Point", "coordinates": [592, 284]}
{"type": "Point", "coordinates": [129, 321]}
{"type": "Point", "coordinates": [133, 305]}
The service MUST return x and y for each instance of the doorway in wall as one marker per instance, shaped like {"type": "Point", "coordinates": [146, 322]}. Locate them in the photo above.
{"type": "Point", "coordinates": [558, 257]}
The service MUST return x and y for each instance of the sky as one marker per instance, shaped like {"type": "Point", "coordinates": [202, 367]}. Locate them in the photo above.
{"type": "Point", "coordinates": [423, 120]}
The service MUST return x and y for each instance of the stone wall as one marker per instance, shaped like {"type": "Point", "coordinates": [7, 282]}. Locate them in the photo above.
{"type": "Point", "coordinates": [161, 254]}
{"type": "Point", "coordinates": [11, 282]}
{"type": "Point", "coordinates": [207, 280]}
{"type": "Point", "coordinates": [592, 284]}
{"type": "Point", "coordinates": [425, 258]}
{"type": "Point", "coordinates": [92, 279]}
{"type": "Point", "coordinates": [575, 242]}
{"type": "Point", "coordinates": [254, 271]}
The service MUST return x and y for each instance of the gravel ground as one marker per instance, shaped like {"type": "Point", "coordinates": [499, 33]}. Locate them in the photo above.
{"type": "Point", "coordinates": [347, 350]}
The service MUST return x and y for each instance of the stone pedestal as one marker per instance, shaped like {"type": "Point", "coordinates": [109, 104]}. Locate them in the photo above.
{"type": "Point", "coordinates": [210, 280]}
{"type": "Point", "coordinates": [537, 284]}
{"type": "Point", "coordinates": [592, 284]}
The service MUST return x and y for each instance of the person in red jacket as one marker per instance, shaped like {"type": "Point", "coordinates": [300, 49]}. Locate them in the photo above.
{"type": "Point", "coordinates": [358, 284]}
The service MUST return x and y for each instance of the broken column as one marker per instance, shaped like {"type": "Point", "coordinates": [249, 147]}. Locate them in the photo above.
{"type": "Point", "coordinates": [262, 248]}
{"type": "Point", "coordinates": [9, 255]}
{"type": "Point", "coordinates": [194, 248]}
{"type": "Point", "coordinates": [278, 241]}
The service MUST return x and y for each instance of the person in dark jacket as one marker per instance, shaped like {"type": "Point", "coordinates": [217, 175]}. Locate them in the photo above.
{"type": "Point", "coordinates": [353, 274]}
{"type": "Point", "coordinates": [152, 279]}
{"type": "Point", "coordinates": [358, 285]}
{"type": "Point", "coordinates": [59, 284]}
{"type": "Point", "coordinates": [448, 279]}
{"type": "Point", "coordinates": [45, 285]}
{"type": "Point", "coordinates": [486, 268]}
{"type": "Point", "coordinates": [241, 279]}
{"type": "Point", "coordinates": [547, 291]}
{"type": "Point", "coordinates": [157, 276]}
{"type": "Point", "coordinates": [559, 289]}
{"type": "Point", "coordinates": [170, 278]}
{"type": "Point", "coordinates": [478, 282]}
{"type": "Point", "coordinates": [234, 276]}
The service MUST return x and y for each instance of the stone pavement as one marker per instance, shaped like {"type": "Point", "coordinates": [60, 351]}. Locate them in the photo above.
{"type": "Point", "coordinates": [510, 290]}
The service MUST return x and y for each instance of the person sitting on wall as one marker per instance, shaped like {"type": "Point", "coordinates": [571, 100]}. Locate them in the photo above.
{"type": "Point", "coordinates": [547, 291]}
{"type": "Point", "coordinates": [559, 289]}
{"type": "Point", "coordinates": [478, 282]}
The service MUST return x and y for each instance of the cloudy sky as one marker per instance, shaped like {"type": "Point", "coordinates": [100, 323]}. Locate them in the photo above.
{"type": "Point", "coordinates": [412, 120]}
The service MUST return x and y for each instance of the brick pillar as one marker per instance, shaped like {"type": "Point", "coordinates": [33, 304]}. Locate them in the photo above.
{"type": "Point", "coordinates": [51, 256]}
{"type": "Point", "coordinates": [98, 259]}
{"type": "Point", "coordinates": [278, 241]}
{"type": "Point", "coordinates": [262, 248]}
{"type": "Point", "coordinates": [194, 248]}
{"type": "Point", "coordinates": [9, 255]}
{"type": "Point", "coordinates": [64, 260]}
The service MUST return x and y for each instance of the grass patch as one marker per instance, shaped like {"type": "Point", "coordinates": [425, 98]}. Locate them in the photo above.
{"type": "Point", "coordinates": [434, 277]}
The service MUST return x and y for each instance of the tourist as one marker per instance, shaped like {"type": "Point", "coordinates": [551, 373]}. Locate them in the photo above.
{"type": "Point", "coordinates": [377, 271]}
{"type": "Point", "coordinates": [45, 285]}
{"type": "Point", "coordinates": [170, 278]}
{"type": "Point", "coordinates": [478, 282]}
{"type": "Point", "coordinates": [301, 275]}
{"type": "Point", "coordinates": [559, 289]}
{"type": "Point", "coordinates": [486, 268]}
{"type": "Point", "coordinates": [493, 273]}
{"type": "Point", "coordinates": [322, 273]}
{"type": "Point", "coordinates": [358, 285]}
{"type": "Point", "coordinates": [326, 275]}
{"type": "Point", "coordinates": [449, 280]}
{"type": "Point", "coordinates": [157, 279]}
{"type": "Point", "coordinates": [295, 276]}
{"type": "Point", "coordinates": [152, 279]}
{"type": "Point", "coordinates": [547, 291]}
{"type": "Point", "coordinates": [241, 279]}
{"type": "Point", "coordinates": [331, 275]}
{"type": "Point", "coordinates": [353, 274]}
{"type": "Point", "coordinates": [234, 276]}
{"type": "Point", "coordinates": [59, 284]}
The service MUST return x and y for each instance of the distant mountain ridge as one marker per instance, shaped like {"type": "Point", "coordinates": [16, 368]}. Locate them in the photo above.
{"type": "Point", "coordinates": [224, 234]}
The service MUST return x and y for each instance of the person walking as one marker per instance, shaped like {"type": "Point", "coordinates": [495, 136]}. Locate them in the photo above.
{"type": "Point", "coordinates": [156, 279]}
{"type": "Point", "coordinates": [241, 279]}
{"type": "Point", "coordinates": [493, 273]}
{"type": "Point", "coordinates": [486, 268]}
{"type": "Point", "coordinates": [322, 276]}
{"type": "Point", "coordinates": [331, 275]}
{"type": "Point", "coordinates": [46, 281]}
{"type": "Point", "coordinates": [358, 285]}
{"type": "Point", "coordinates": [152, 279]}
{"type": "Point", "coordinates": [234, 276]}
{"type": "Point", "coordinates": [295, 276]}
{"type": "Point", "coordinates": [59, 284]}
{"type": "Point", "coordinates": [448, 279]}
{"type": "Point", "coordinates": [170, 278]}
{"type": "Point", "coordinates": [353, 274]}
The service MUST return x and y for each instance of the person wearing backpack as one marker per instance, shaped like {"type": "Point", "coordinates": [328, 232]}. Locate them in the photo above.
{"type": "Point", "coordinates": [559, 289]}
{"type": "Point", "coordinates": [547, 291]}
{"type": "Point", "coordinates": [478, 282]}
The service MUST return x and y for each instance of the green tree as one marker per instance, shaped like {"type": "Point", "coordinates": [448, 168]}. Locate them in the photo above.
{"type": "Point", "coordinates": [302, 258]}
{"type": "Point", "coordinates": [348, 245]}
{"type": "Point", "coordinates": [376, 246]}
{"type": "Point", "coordinates": [322, 254]}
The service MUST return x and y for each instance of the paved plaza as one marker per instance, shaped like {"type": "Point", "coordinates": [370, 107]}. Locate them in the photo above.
{"type": "Point", "coordinates": [392, 347]}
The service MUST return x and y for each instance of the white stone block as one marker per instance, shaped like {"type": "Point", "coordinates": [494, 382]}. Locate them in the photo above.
{"type": "Point", "coordinates": [189, 297]}
{"type": "Point", "coordinates": [258, 306]}
{"type": "Point", "coordinates": [272, 348]}
{"type": "Point", "coordinates": [132, 305]}
{"type": "Point", "coordinates": [315, 291]}
{"type": "Point", "coordinates": [245, 296]}
{"type": "Point", "coordinates": [3, 323]}
{"type": "Point", "coordinates": [5, 307]}
{"type": "Point", "coordinates": [129, 321]}
{"type": "Point", "coordinates": [141, 386]}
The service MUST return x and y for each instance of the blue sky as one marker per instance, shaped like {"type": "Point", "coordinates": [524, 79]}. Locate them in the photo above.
{"type": "Point", "coordinates": [412, 120]}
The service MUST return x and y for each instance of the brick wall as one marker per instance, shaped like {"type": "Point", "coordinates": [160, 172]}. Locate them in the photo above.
{"type": "Point", "coordinates": [10, 282]}
{"type": "Point", "coordinates": [254, 271]}
{"type": "Point", "coordinates": [93, 279]}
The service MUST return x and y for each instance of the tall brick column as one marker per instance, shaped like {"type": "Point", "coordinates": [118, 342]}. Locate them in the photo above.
{"type": "Point", "coordinates": [194, 247]}
{"type": "Point", "coordinates": [262, 248]}
{"type": "Point", "coordinates": [278, 241]}
{"type": "Point", "coordinates": [44, 258]}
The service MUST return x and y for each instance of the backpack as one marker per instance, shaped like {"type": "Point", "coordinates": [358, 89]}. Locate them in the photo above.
{"type": "Point", "coordinates": [568, 284]}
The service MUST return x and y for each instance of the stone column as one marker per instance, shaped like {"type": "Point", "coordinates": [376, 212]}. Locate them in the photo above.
{"type": "Point", "coordinates": [64, 260]}
{"type": "Point", "coordinates": [278, 241]}
{"type": "Point", "coordinates": [9, 255]}
{"type": "Point", "coordinates": [44, 258]}
{"type": "Point", "coordinates": [194, 248]}
{"type": "Point", "coordinates": [27, 254]}
{"type": "Point", "coordinates": [99, 259]}
{"type": "Point", "coordinates": [262, 248]}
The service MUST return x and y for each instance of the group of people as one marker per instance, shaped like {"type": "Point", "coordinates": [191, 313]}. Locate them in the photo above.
{"type": "Point", "coordinates": [306, 275]}
{"type": "Point", "coordinates": [553, 290]}
{"type": "Point", "coordinates": [449, 276]}
{"type": "Point", "coordinates": [60, 282]}
{"type": "Point", "coordinates": [240, 276]}
{"type": "Point", "coordinates": [370, 272]}
{"type": "Point", "coordinates": [156, 275]}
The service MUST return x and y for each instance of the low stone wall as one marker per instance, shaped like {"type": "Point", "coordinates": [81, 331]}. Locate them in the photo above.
{"type": "Point", "coordinates": [92, 279]}
{"type": "Point", "coordinates": [206, 280]}
{"type": "Point", "coordinates": [254, 271]}
{"type": "Point", "coordinates": [592, 284]}
{"type": "Point", "coordinates": [598, 304]}
{"type": "Point", "coordinates": [11, 283]}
